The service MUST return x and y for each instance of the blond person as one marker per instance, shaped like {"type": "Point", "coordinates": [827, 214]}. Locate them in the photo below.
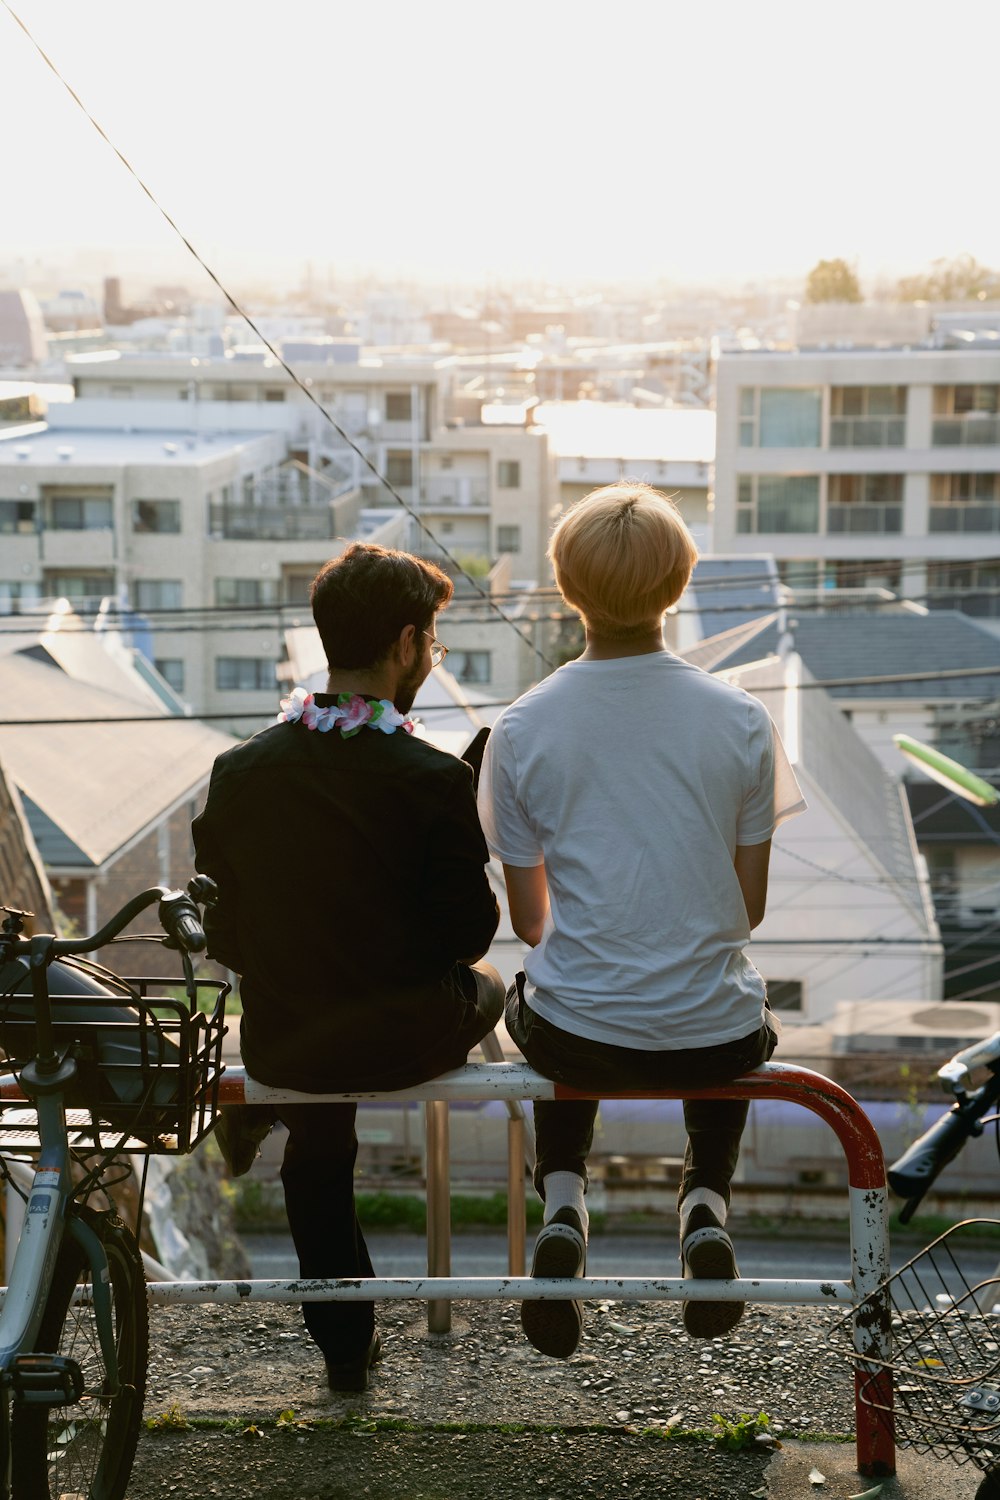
{"type": "Point", "coordinates": [632, 798]}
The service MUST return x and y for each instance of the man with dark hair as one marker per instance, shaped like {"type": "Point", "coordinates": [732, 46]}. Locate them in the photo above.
{"type": "Point", "coordinates": [355, 905]}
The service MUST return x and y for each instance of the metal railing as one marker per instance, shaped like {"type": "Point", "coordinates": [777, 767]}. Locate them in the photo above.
{"type": "Point", "coordinates": [965, 516]}
{"type": "Point", "coordinates": [974, 430]}
{"type": "Point", "coordinates": [514, 1082]}
{"type": "Point", "coordinates": [883, 518]}
{"type": "Point", "coordinates": [867, 432]}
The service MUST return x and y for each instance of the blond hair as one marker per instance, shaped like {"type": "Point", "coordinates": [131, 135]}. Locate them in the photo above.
{"type": "Point", "coordinates": [622, 555]}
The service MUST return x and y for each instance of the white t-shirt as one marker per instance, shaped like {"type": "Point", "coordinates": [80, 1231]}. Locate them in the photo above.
{"type": "Point", "coordinates": [634, 780]}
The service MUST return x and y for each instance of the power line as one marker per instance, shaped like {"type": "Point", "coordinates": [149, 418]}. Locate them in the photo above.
{"type": "Point", "coordinates": [240, 312]}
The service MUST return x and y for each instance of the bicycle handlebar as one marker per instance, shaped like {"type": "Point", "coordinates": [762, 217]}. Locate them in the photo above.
{"type": "Point", "coordinates": [913, 1174]}
{"type": "Point", "coordinates": [178, 914]}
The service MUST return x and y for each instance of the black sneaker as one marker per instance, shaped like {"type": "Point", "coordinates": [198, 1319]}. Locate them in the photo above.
{"type": "Point", "coordinates": [707, 1255]}
{"type": "Point", "coordinates": [560, 1250]}
{"type": "Point", "coordinates": [352, 1374]}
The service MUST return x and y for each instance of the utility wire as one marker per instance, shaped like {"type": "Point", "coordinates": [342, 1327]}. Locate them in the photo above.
{"type": "Point", "coordinates": [240, 312]}
{"type": "Point", "coordinates": [496, 702]}
{"type": "Point", "coordinates": [159, 616]}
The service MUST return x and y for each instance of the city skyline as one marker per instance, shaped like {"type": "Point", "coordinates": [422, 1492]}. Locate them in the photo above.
{"type": "Point", "coordinates": [715, 146]}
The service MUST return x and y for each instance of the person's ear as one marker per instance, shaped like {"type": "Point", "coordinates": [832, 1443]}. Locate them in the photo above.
{"type": "Point", "coordinates": [406, 644]}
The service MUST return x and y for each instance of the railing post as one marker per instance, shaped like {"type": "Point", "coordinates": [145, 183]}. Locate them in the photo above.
{"type": "Point", "coordinates": [438, 1208]}
{"type": "Point", "coordinates": [515, 1196]}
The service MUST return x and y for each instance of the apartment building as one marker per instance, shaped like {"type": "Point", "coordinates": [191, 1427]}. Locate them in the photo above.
{"type": "Point", "coordinates": [483, 489]}
{"type": "Point", "coordinates": [177, 527]}
{"type": "Point", "coordinates": [867, 467]}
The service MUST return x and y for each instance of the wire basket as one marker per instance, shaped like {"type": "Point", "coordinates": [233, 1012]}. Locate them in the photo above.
{"type": "Point", "coordinates": [148, 1070]}
{"type": "Point", "coordinates": [945, 1362]}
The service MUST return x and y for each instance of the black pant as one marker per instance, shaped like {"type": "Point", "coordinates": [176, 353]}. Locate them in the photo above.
{"type": "Point", "coordinates": [318, 1177]}
{"type": "Point", "coordinates": [564, 1128]}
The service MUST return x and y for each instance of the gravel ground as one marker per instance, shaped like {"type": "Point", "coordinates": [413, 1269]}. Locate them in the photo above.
{"type": "Point", "coordinates": [635, 1372]}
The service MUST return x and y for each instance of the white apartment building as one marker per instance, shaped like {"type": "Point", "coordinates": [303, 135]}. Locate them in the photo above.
{"type": "Point", "coordinates": [866, 467]}
{"type": "Point", "coordinates": [484, 490]}
{"type": "Point", "coordinates": [175, 525]}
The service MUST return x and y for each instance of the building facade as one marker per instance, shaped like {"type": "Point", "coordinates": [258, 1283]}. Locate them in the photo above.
{"type": "Point", "coordinates": [866, 467]}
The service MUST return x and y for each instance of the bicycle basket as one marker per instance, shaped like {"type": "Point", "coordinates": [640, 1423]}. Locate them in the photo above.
{"type": "Point", "coordinates": [945, 1361]}
{"type": "Point", "coordinates": [148, 1063]}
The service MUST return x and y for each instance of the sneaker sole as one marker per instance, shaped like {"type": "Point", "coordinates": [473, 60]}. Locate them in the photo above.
{"type": "Point", "coordinates": [554, 1328]}
{"type": "Point", "coordinates": [712, 1260]}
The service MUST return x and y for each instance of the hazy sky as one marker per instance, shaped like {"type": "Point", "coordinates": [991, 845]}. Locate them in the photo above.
{"type": "Point", "coordinates": [681, 138]}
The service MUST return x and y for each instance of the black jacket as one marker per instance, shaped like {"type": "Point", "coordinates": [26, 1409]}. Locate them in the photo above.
{"type": "Point", "coordinates": [352, 883]}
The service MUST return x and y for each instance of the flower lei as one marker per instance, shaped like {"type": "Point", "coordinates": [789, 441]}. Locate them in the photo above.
{"type": "Point", "coordinates": [350, 713]}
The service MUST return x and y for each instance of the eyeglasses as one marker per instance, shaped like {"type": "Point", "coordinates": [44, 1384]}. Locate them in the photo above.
{"type": "Point", "coordinates": [438, 650]}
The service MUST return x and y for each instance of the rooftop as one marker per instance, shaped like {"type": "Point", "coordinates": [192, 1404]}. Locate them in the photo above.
{"type": "Point", "coordinates": [124, 776]}
{"type": "Point", "coordinates": [90, 447]}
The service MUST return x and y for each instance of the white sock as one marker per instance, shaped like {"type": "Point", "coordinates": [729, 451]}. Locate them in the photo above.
{"type": "Point", "coordinates": [706, 1197]}
{"type": "Point", "coordinates": [565, 1190]}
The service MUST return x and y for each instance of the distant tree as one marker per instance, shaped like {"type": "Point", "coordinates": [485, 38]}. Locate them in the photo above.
{"type": "Point", "coordinates": [832, 281]}
{"type": "Point", "coordinates": [959, 280]}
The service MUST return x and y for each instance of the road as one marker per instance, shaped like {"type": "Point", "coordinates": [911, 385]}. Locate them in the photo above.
{"type": "Point", "coordinates": [483, 1253]}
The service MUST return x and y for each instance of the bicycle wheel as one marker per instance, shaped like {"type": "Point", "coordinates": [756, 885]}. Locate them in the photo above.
{"type": "Point", "coordinates": [85, 1450]}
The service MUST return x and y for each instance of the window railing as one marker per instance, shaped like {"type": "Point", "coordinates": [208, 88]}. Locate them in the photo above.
{"type": "Point", "coordinates": [885, 518]}
{"type": "Point", "coordinates": [963, 517]}
{"type": "Point", "coordinates": [867, 432]}
{"type": "Point", "coordinates": [459, 493]}
{"type": "Point", "coordinates": [974, 430]}
{"type": "Point", "coordinates": [273, 523]}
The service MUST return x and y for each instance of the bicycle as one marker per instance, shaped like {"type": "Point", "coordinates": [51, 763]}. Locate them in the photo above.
{"type": "Point", "coordinates": [945, 1326]}
{"type": "Point", "coordinates": [99, 1066]}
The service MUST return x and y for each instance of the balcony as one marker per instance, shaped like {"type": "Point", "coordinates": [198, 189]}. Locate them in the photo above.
{"type": "Point", "coordinates": [276, 523]}
{"type": "Point", "coordinates": [456, 493]}
{"type": "Point", "coordinates": [879, 520]}
{"type": "Point", "coordinates": [867, 432]}
{"type": "Point", "coordinates": [981, 518]}
{"type": "Point", "coordinates": [974, 430]}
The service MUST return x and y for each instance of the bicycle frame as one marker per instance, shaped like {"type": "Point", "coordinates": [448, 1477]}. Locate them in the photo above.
{"type": "Point", "coordinates": [30, 1376]}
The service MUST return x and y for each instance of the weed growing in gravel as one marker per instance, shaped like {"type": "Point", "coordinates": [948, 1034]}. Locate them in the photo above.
{"type": "Point", "coordinates": [171, 1420]}
{"type": "Point", "coordinates": [742, 1433]}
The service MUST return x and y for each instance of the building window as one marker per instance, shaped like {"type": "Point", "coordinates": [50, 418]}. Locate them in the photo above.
{"type": "Point", "coordinates": [867, 416]}
{"type": "Point", "coordinates": [780, 417]}
{"type": "Point", "coordinates": [157, 593]}
{"type": "Point", "coordinates": [508, 538]}
{"type": "Point", "coordinates": [966, 415]}
{"type": "Point", "coordinates": [398, 406]}
{"type": "Point", "coordinates": [470, 666]}
{"type": "Point", "coordinates": [864, 502]}
{"type": "Point", "coordinates": [81, 513]}
{"type": "Point", "coordinates": [236, 591]}
{"type": "Point", "coordinates": [14, 594]}
{"type": "Point", "coordinates": [156, 516]}
{"type": "Point", "coordinates": [81, 588]}
{"type": "Point", "coordinates": [17, 516]}
{"type": "Point", "coordinates": [779, 503]}
{"type": "Point", "coordinates": [297, 587]}
{"type": "Point", "coordinates": [273, 394]}
{"type": "Point", "coordinates": [965, 502]}
{"type": "Point", "coordinates": [171, 669]}
{"type": "Point", "coordinates": [399, 466]}
{"type": "Point", "coordinates": [508, 474]}
{"type": "Point", "coordinates": [972, 587]}
{"type": "Point", "coordinates": [245, 674]}
{"type": "Point", "coordinates": [784, 994]}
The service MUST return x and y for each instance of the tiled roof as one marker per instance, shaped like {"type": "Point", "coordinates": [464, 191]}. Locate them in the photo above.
{"type": "Point", "coordinates": [866, 644]}
{"type": "Point", "coordinates": [89, 788]}
{"type": "Point", "coordinates": [731, 591]}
